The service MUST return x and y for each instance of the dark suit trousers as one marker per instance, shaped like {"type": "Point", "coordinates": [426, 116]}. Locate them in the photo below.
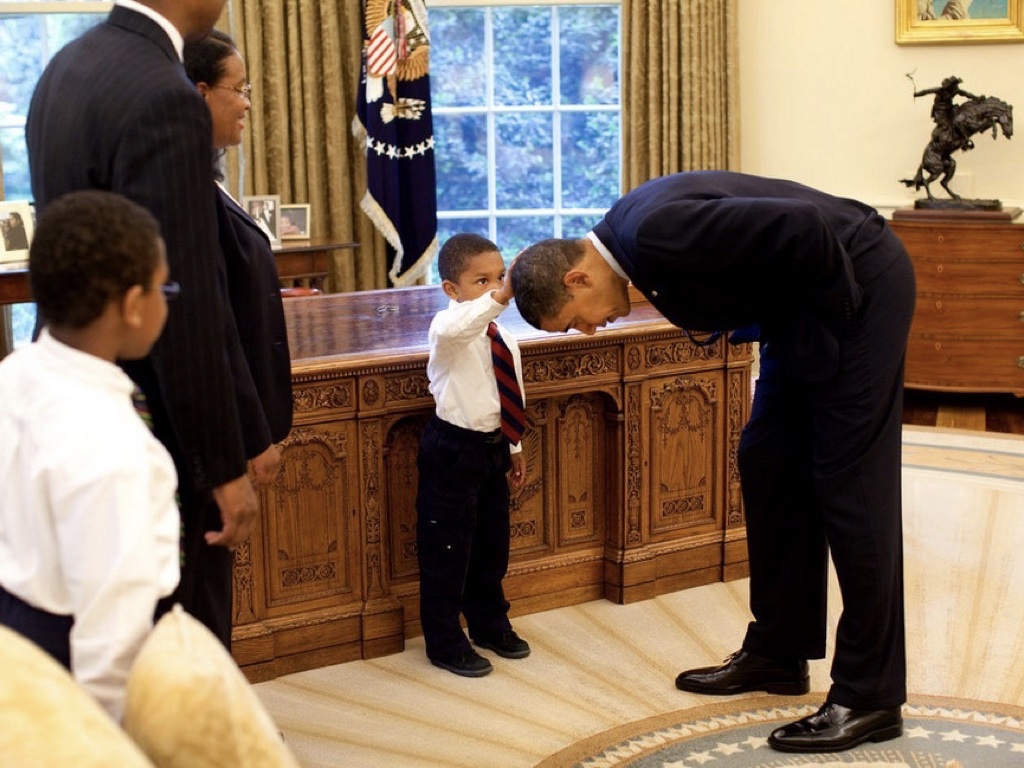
{"type": "Point", "coordinates": [205, 589]}
{"type": "Point", "coordinates": [462, 536]}
{"type": "Point", "coordinates": [820, 464]}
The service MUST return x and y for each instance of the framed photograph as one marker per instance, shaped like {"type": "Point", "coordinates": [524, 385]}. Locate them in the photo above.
{"type": "Point", "coordinates": [265, 211]}
{"type": "Point", "coordinates": [294, 223]}
{"type": "Point", "coordinates": [959, 21]}
{"type": "Point", "coordinates": [17, 224]}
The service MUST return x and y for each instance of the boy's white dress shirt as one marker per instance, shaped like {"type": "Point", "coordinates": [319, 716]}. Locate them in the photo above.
{"type": "Point", "coordinates": [460, 369]}
{"type": "Point", "coordinates": [88, 521]}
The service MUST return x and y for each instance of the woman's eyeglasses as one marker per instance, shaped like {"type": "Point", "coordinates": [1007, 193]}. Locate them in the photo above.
{"type": "Point", "coordinates": [245, 91]}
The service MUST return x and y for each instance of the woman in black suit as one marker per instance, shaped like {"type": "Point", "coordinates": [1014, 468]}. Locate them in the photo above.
{"type": "Point", "coordinates": [263, 377]}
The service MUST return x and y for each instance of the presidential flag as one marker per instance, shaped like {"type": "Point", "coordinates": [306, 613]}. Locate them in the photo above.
{"type": "Point", "coordinates": [394, 124]}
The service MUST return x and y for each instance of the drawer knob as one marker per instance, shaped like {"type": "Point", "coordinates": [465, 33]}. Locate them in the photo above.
{"type": "Point", "coordinates": [1020, 362]}
{"type": "Point", "coordinates": [939, 268]}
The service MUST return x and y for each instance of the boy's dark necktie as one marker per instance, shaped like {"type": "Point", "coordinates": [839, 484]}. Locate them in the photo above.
{"type": "Point", "coordinates": [512, 415]}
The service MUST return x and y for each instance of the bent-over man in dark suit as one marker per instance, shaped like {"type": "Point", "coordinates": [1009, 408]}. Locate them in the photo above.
{"type": "Point", "coordinates": [115, 111]}
{"type": "Point", "coordinates": [831, 290]}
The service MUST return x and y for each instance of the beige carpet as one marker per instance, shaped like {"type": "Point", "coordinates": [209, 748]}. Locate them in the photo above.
{"type": "Point", "coordinates": [600, 670]}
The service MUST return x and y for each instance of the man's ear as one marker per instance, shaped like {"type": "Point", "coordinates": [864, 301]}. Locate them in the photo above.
{"type": "Point", "coordinates": [576, 278]}
{"type": "Point", "coordinates": [131, 306]}
{"type": "Point", "coordinates": [450, 289]}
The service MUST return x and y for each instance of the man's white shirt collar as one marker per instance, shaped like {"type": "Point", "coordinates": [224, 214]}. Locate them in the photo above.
{"type": "Point", "coordinates": [607, 256]}
{"type": "Point", "coordinates": [172, 31]}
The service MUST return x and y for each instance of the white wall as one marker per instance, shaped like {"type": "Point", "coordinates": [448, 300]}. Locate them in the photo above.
{"type": "Point", "coordinates": [824, 100]}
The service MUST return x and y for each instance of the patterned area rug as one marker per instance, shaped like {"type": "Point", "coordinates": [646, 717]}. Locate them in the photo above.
{"type": "Point", "coordinates": [938, 732]}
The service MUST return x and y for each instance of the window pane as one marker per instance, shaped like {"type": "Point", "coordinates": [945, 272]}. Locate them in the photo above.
{"type": "Point", "coordinates": [461, 159]}
{"type": "Point", "coordinates": [589, 55]}
{"type": "Point", "coordinates": [575, 227]}
{"type": "Point", "coordinates": [590, 159]}
{"type": "Point", "coordinates": [458, 77]}
{"type": "Point", "coordinates": [524, 176]}
{"type": "Point", "coordinates": [517, 232]}
{"type": "Point", "coordinates": [522, 56]}
{"type": "Point", "coordinates": [26, 44]}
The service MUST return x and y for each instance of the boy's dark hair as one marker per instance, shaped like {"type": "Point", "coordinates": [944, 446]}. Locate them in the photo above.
{"type": "Point", "coordinates": [89, 248]}
{"type": "Point", "coordinates": [458, 250]}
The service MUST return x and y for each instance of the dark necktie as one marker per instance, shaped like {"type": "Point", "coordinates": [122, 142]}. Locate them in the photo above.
{"type": "Point", "coordinates": [512, 416]}
{"type": "Point", "coordinates": [142, 406]}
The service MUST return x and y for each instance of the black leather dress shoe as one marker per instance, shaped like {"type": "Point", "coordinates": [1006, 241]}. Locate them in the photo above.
{"type": "Point", "coordinates": [468, 664]}
{"type": "Point", "coordinates": [834, 728]}
{"type": "Point", "coordinates": [509, 645]}
{"type": "Point", "coordinates": [743, 672]}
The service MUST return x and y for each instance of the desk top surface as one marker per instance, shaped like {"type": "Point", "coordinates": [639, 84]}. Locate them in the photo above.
{"type": "Point", "coordinates": [396, 322]}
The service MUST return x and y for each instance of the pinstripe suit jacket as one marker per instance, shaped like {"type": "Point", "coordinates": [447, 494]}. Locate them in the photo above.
{"type": "Point", "coordinates": [115, 111]}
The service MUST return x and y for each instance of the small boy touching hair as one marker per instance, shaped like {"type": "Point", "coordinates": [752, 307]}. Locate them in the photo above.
{"type": "Point", "coordinates": [462, 504]}
{"type": "Point", "coordinates": [88, 520]}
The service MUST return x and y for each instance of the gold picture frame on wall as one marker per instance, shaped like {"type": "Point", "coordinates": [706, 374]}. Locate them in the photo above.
{"type": "Point", "coordinates": [951, 21]}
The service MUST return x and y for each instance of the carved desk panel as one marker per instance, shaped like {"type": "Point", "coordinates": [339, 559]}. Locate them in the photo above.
{"type": "Point", "coordinates": [632, 487]}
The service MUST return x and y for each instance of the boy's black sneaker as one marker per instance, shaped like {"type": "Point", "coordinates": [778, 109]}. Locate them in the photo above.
{"type": "Point", "coordinates": [508, 646]}
{"type": "Point", "coordinates": [468, 664]}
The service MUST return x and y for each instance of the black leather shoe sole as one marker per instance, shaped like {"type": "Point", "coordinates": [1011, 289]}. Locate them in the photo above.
{"type": "Point", "coordinates": [823, 742]}
{"type": "Point", "coordinates": [778, 687]}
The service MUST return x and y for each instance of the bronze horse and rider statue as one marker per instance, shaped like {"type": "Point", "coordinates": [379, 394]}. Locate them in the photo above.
{"type": "Point", "coordinates": [955, 124]}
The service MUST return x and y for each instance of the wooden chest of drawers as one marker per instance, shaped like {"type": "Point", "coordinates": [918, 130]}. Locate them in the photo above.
{"type": "Point", "coordinates": [968, 329]}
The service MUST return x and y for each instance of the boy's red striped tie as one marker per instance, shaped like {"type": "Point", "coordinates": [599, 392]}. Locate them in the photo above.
{"type": "Point", "coordinates": [513, 418]}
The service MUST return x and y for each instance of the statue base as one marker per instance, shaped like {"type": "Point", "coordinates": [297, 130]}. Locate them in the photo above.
{"type": "Point", "coordinates": [958, 205]}
{"type": "Point", "coordinates": [957, 212]}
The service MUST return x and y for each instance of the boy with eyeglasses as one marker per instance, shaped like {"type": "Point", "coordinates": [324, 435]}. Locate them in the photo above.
{"type": "Point", "coordinates": [89, 526]}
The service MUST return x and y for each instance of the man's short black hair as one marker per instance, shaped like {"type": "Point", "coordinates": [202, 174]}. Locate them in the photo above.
{"type": "Point", "coordinates": [89, 248]}
{"type": "Point", "coordinates": [456, 252]}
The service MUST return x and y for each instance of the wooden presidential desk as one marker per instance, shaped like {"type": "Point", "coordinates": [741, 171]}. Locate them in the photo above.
{"type": "Point", "coordinates": [632, 487]}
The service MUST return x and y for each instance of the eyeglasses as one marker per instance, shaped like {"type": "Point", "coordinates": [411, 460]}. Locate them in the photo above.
{"type": "Point", "coordinates": [245, 91]}
{"type": "Point", "coordinates": [171, 290]}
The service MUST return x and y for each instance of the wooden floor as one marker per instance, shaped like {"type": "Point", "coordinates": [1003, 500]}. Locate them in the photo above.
{"type": "Point", "coordinates": [598, 666]}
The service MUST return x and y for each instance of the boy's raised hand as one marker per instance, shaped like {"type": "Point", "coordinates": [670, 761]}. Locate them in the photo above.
{"type": "Point", "coordinates": [504, 294]}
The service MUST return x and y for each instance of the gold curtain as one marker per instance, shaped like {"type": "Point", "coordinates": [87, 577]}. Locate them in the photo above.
{"type": "Point", "coordinates": [680, 87]}
{"type": "Point", "coordinates": [303, 58]}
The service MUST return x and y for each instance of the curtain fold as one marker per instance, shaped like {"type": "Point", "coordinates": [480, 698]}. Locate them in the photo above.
{"type": "Point", "coordinates": [680, 87]}
{"type": "Point", "coordinates": [303, 59]}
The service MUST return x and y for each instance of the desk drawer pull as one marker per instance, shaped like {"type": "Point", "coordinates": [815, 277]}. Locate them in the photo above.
{"type": "Point", "coordinates": [1020, 362]}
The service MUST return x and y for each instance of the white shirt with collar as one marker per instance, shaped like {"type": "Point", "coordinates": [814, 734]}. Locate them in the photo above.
{"type": "Point", "coordinates": [88, 522]}
{"type": "Point", "coordinates": [460, 369]}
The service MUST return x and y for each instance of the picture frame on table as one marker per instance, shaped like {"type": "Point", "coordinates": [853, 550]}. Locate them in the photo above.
{"type": "Point", "coordinates": [295, 222]}
{"type": "Point", "coordinates": [959, 21]}
{"type": "Point", "coordinates": [17, 225]}
{"type": "Point", "coordinates": [266, 212]}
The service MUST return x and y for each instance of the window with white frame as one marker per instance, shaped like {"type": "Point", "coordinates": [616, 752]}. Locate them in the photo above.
{"type": "Point", "coordinates": [525, 102]}
{"type": "Point", "coordinates": [30, 33]}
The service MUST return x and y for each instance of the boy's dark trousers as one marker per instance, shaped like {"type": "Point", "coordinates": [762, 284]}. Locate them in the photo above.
{"type": "Point", "coordinates": [49, 631]}
{"type": "Point", "coordinates": [462, 536]}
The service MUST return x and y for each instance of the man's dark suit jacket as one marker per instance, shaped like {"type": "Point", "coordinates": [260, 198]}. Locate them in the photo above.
{"type": "Point", "coordinates": [715, 250]}
{"type": "Point", "coordinates": [115, 111]}
{"type": "Point", "coordinates": [263, 378]}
